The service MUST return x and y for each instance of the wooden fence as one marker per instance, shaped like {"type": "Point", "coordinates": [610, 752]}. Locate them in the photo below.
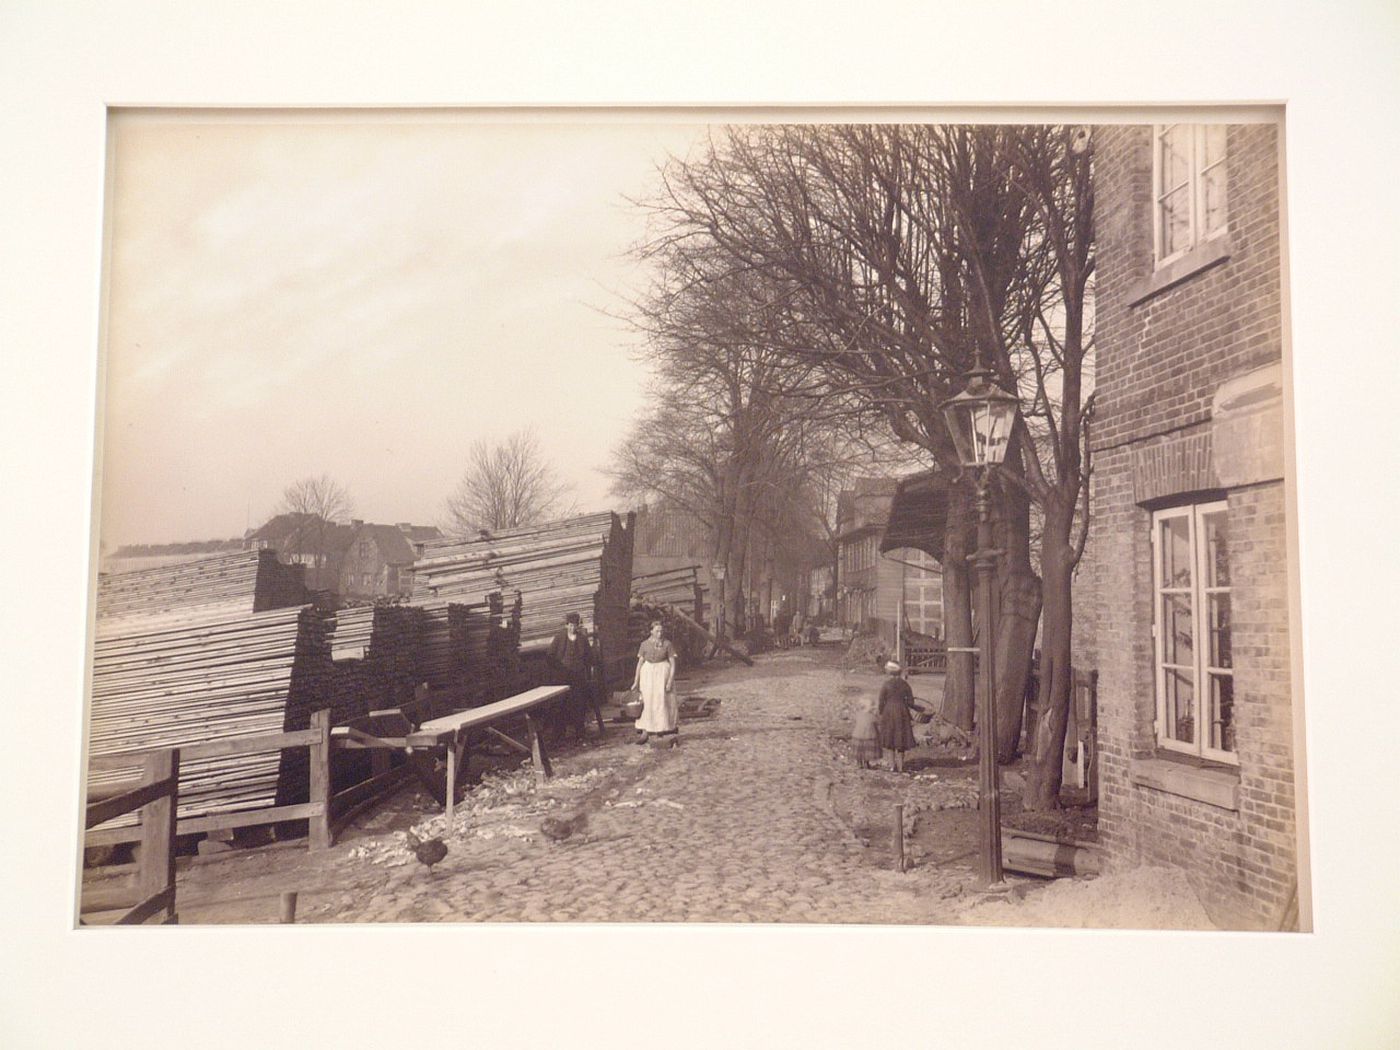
{"type": "Point", "coordinates": [154, 795]}
{"type": "Point", "coordinates": [326, 812]}
{"type": "Point", "coordinates": [316, 810]}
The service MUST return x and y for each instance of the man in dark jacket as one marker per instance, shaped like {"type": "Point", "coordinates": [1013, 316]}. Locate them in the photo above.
{"type": "Point", "coordinates": [571, 657]}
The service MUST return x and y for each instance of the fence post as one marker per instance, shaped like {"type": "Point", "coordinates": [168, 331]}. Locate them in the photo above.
{"type": "Point", "coordinates": [157, 870]}
{"type": "Point", "coordinates": [320, 762]}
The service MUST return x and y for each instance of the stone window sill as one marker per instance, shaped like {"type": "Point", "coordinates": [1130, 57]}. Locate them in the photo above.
{"type": "Point", "coordinates": [1213, 785]}
{"type": "Point", "coordinates": [1202, 257]}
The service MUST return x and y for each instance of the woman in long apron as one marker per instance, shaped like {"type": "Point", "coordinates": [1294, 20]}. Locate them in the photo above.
{"type": "Point", "coordinates": [656, 671]}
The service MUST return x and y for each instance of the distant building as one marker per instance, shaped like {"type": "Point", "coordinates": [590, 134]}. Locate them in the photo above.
{"type": "Point", "coordinates": [821, 593]}
{"type": "Point", "coordinates": [671, 538]}
{"type": "Point", "coordinates": [355, 560]}
{"type": "Point", "coordinates": [378, 559]}
{"type": "Point", "coordinates": [1182, 599]}
{"type": "Point", "coordinates": [878, 592]}
{"type": "Point", "coordinates": [305, 539]}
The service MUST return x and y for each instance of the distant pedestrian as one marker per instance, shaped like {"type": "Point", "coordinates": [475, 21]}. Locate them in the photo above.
{"type": "Point", "coordinates": [894, 725]}
{"type": "Point", "coordinates": [865, 737]}
{"type": "Point", "coordinates": [571, 658]}
{"type": "Point", "coordinates": [782, 629]}
{"type": "Point", "coordinates": [656, 674]}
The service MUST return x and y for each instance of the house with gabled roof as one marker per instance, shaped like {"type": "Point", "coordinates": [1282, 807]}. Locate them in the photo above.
{"type": "Point", "coordinates": [304, 539]}
{"type": "Point", "coordinates": [377, 561]}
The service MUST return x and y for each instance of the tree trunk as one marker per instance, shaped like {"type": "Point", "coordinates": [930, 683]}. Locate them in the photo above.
{"type": "Point", "coordinates": [1016, 628]}
{"type": "Point", "coordinates": [724, 541]}
{"type": "Point", "coordinates": [1018, 616]}
{"type": "Point", "coordinates": [1056, 678]}
{"type": "Point", "coordinates": [767, 600]}
{"type": "Point", "coordinates": [958, 697]}
{"type": "Point", "coordinates": [734, 562]}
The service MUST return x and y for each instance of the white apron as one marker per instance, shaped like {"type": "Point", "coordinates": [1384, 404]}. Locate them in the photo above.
{"type": "Point", "coordinates": [659, 707]}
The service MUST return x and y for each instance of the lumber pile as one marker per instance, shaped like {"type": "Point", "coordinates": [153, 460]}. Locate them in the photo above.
{"type": "Point", "coordinates": [207, 674]}
{"type": "Point", "coordinates": [375, 653]}
{"type": "Point", "coordinates": [470, 649]}
{"type": "Point", "coordinates": [253, 581]}
{"type": "Point", "coordinates": [444, 641]}
{"type": "Point", "coordinates": [678, 587]}
{"type": "Point", "coordinates": [491, 646]}
{"type": "Point", "coordinates": [581, 565]}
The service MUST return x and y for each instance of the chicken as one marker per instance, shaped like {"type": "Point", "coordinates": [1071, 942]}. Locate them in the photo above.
{"type": "Point", "coordinates": [559, 829]}
{"type": "Point", "coordinates": [429, 852]}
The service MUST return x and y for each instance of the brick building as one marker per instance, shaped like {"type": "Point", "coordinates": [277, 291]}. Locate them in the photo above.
{"type": "Point", "coordinates": [1182, 600]}
{"type": "Point", "coordinates": [377, 560]}
{"type": "Point", "coordinates": [305, 539]}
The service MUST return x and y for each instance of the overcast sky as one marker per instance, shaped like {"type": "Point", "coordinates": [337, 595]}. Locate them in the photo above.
{"type": "Point", "coordinates": [363, 298]}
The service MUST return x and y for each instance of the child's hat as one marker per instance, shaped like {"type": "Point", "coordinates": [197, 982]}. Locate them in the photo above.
{"type": "Point", "coordinates": [892, 667]}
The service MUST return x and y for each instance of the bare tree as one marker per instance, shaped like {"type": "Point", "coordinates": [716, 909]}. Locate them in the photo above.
{"type": "Point", "coordinates": [888, 259]}
{"type": "Point", "coordinates": [724, 439]}
{"type": "Point", "coordinates": [320, 501]}
{"type": "Point", "coordinates": [506, 484]}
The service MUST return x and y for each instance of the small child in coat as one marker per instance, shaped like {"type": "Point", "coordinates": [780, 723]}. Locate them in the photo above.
{"type": "Point", "coordinates": [865, 740]}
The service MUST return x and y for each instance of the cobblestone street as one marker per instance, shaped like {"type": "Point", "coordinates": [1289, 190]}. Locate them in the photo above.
{"type": "Point", "coordinates": [735, 824]}
{"type": "Point", "coordinates": [757, 816]}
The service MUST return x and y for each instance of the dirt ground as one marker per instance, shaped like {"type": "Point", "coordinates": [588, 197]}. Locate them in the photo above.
{"type": "Point", "coordinates": [759, 816]}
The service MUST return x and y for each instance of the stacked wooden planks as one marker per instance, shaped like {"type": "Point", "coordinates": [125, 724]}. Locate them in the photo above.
{"type": "Point", "coordinates": [441, 663]}
{"type": "Point", "coordinates": [470, 649]}
{"type": "Point", "coordinates": [209, 673]}
{"type": "Point", "coordinates": [580, 565]}
{"type": "Point", "coordinates": [679, 587]}
{"type": "Point", "coordinates": [253, 580]}
{"type": "Point", "coordinates": [376, 652]}
{"type": "Point", "coordinates": [487, 646]}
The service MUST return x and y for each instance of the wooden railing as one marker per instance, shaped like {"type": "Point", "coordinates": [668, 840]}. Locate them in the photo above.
{"type": "Point", "coordinates": [155, 795]}
{"type": "Point", "coordinates": [925, 656]}
{"type": "Point", "coordinates": [316, 811]}
{"type": "Point", "coordinates": [385, 775]}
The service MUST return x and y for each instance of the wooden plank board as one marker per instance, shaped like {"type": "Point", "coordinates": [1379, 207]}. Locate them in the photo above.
{"type": "Point", "coordinates": [439, 729]}
{"type": "Point", "coordinates": [161, 901]}
{"type": "Point", "coordinates": [214, 822]}
{"type": "Point", "coordinates": [135, 798]}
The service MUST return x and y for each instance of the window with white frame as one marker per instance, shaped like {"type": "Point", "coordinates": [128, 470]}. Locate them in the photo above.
{"type": "Point", "coordinates": [1191, 631]}
{"type": "Point", "coordinates": [1188, 187]}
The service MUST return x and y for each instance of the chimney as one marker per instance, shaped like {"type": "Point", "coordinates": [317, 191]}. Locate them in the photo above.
{"type": "Point", "coordinates": [405, 527]}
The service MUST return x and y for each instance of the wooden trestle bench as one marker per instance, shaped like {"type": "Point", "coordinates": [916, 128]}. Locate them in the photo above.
{"type": "Point", "coordinates": [451, 737]}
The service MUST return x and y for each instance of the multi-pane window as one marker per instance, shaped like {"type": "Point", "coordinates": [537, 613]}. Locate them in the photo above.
{"type": "Point", "coordinates": [1191, 629]}
{"type": "Point", "coordinates": [1188, 184]}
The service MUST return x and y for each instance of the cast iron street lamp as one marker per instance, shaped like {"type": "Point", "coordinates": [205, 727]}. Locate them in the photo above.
{"type": "Point", "coordinates": [980, 421]}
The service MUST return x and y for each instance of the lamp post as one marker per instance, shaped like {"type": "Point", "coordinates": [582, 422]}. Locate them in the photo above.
{"type": "Point", "coordinates": [980, 420]}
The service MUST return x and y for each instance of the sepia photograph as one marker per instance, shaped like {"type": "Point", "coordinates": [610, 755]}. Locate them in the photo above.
{"type": "Point", "coordinates": [591, 518]}
{"type": "Point", "coordinates": [754, 525]}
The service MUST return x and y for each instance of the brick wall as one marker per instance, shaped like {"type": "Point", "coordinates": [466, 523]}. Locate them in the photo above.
{"type": "Point", "coordinates": [1265, 724]}
{"type": "Point", "coordinates": [1162, 355]}
{"type": "Point", "coordinates": [1161, 361]}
